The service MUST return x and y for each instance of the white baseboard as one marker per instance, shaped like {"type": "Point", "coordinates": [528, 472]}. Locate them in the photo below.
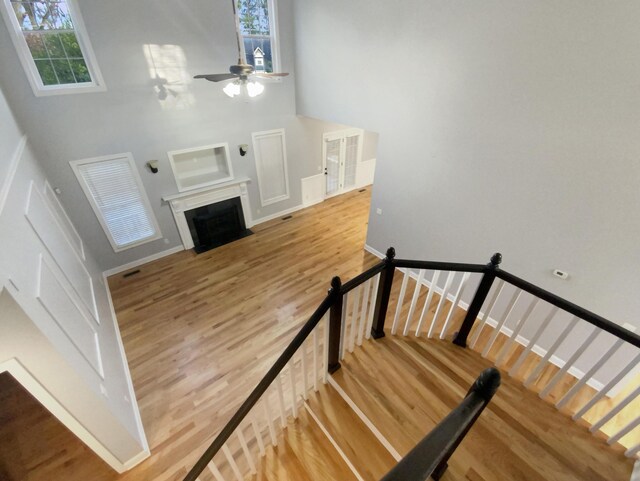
{"type": "Point", "coordinates": [144, 260]}
{"type": "Point", "coordinates": [555, 360]}
{"type": "Point", "coordinates": [278, 214]}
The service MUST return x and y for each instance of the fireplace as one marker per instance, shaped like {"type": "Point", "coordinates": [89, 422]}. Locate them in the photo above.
{"type": "Point", "coordinates": [188, 204]}
{"type": "Point", "coordinates": [216, 224]}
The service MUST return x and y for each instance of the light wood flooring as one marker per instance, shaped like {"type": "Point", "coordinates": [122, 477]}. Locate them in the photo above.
{"type": "Point", "coordinates": [200, 332]}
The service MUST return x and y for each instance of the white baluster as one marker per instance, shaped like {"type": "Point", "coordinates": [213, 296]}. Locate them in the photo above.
{"type": "Point", "coordinates": [305, 371]}
{"type": "Point", "coordinates": [427, 302]}
{"type": "Point", "coordinates": [281, 404]}
{"type": "Point", "coordinates": [316, 348]}
{"type": "Point", "coordinates": [616, 409]}
{"type": "Point", "coordinates": [487, 316]}
{"type": "Point", "coordinates": [325, 349]}
{"type": "Point", "coordinates": [267, 412]}
{"type": "Point", "coordinates": [215, 471]}
{"type": "Point", "coordinates": [624, 431]}
{"type": "Point", "coordinates": [456, 301]}
{"type": "Point", "coordinates": [245, 450]}
{"type": "Point", "coordinates": [516, 331]}
{"type": "Point", "coordinates": [403, 290]}
{"type": "Point", "coordinates": [443, 299]}
{"type": "Point", "coordinates": [567, 365]}
{"type": "Point", "coordinates": [632, 450]}
{"type": "Point", "coordinates": [257, 434]}
{"type": "Point", "coordinates": [343, 326]}
{"type": "Point", "coordinates": [372, 305]}
{"type": "Point", "coordinates": [607, 388]}
{"type": "Point", "coordinates": [292, 380]}
{"type": "Point", "coordinates": [503, 320]}
{"type": "Point", "coordinates": [363, 311]}
{"type": "Point", "coordinates": [414, 301]}
{"type": "Point", "coordinates": [232, 462]}
{"type": "Point", "coordinates": [584, 379]}
{"type": "Point", "coordinates": [354, 317]}
{"type": "Point", "coordinates": [543, 362]}
{"type": "Point", "coordinates": [530, 345]}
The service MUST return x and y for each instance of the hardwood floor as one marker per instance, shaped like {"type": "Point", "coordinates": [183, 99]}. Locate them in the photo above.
{"type": "Point", "coordinates": [200, 332]}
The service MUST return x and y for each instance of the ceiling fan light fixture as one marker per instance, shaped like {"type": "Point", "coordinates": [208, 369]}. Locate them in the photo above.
{"type": "Point", "coordinates": [232, 89]}
{"type": "Point", "coordinates": [254, 89]}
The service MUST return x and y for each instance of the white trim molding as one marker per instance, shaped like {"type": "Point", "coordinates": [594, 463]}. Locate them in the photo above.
{"type": "Point", "coordinates": [11, 172]}
{"type": "Point", "coordinates": [31, 384]}
{"type": "Point", "coordinates": [39, 89]}
{"type": "Point", "coordinates": [144, 260]}
{"type": "Point", "coordinates": [256, 137]}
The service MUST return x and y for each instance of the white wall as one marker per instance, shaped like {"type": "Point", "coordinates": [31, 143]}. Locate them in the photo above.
{"type": "Point", "coordinates": [130, 116]}
{"type": "Point", "coordinates": [503, 126]}
{"type": "Point", "coordinates": [58, 335]}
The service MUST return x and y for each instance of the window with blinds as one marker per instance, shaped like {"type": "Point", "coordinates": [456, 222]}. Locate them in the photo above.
{"type": "Point", "coordinates": [114, 190]}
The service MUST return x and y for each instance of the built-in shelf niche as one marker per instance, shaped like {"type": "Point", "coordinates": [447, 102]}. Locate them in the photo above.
{"type": "Point", "coordinates": [201, 166]}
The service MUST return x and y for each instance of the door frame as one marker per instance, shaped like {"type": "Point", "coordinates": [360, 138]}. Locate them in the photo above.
{"type": "Point", "coordinates": [341, 135]}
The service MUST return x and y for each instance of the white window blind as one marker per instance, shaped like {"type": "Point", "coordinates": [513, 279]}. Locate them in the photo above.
{"type": "Point", "coordinates": [114, 190]}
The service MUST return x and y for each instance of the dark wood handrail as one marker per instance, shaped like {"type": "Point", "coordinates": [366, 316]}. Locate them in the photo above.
{"type": "Point", "coordinates": [262, 386]}
{"type": "Point", "coordinates": [429, 457]}
{"type": "Point", "coordinates": [439, 266]}
{"type": "Point", "coordinates": [588, 316]}
{"type": "Point", "coordinates": [362, 278]}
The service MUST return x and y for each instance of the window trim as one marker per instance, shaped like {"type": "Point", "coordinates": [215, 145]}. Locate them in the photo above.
{"type": "Point", "coordinates": [275, 43]}
{"type": "Point", "coordinates": [271, 133]}
{"type": "Point", "coordinates": [28, 64]}
{"type": "Point", "coordinates": [75, 164]}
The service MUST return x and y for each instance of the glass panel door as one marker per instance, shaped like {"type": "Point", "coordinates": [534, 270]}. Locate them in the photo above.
{"type": "Point", "coordinates": [351, 161]}
{"type": "Point", "coordinates": [332, 165]}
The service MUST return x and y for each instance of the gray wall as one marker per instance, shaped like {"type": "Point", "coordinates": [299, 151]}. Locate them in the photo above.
{"type": "Point", "coordinates": [9, 137]}
{"type": "Point", "coordinates": [130, 117]}
{"type": "Point", "coordinates": [504, 126]}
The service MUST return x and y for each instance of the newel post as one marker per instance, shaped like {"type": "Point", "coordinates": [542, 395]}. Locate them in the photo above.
{"type": "Point", "coordinates": [335, 325]}
{"type": "Point", "coordinates": [479, 297]}
{"type": "Point", "coordinates": [384, 292]}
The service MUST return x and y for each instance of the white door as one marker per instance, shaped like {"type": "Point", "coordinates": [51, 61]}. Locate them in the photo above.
{"type": "Point", "coordinates": [341, 153]}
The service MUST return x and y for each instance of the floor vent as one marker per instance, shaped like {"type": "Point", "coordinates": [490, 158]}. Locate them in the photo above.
{"type": "Point", "coordinates": [287, 217]}
{"type": "Point", "coordinates": [362, 190]}
{"type": "Point", "coordinates": [131, 273]}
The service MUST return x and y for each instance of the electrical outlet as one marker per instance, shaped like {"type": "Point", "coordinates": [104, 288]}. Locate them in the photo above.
{"type": "Point", "coordinates": [561, 274]}
{"type": "Point", "coordinates": [103, 390]}
{"type": "Point", "coordinates": [165, 240]}
{"type": "Point", "coordinates": [379, 211]}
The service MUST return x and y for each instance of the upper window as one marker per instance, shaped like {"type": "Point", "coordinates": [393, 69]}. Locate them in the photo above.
{"type": "Point", "coordinates": [258, 30]}
{"type": "Point", "coordinates": [53, 46]}
{"type": "Point", "coordinates": [114, 190]}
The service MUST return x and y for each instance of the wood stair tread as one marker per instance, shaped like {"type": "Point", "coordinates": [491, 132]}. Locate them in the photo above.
{"type": "Point", "coordinates": [303, 453]}
{"type": "Point", "coordinates": [369, 457]}
{"type": "Point", "coordinates": [406, 385]}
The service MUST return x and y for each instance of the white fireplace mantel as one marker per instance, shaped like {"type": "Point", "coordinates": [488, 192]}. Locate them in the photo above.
{"type": "Point", "coordinates": [184, 201]}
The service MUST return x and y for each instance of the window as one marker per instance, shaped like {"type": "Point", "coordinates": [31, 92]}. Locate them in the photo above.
{"type": "Point", "coordinates": [114, 190]}
{"type": "Point", "coordinates": [53, 46]}
{"type": "Point", "coordinates": [258, 30]}
{"type": "Point", "coordinates": [271, 164]}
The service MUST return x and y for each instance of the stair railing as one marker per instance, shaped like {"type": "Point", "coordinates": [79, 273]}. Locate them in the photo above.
{"type": "Point", "coordinates": [504, 307]}
{"type": "Point", "coordinates": [431, 455]}
{"type": "Point", "coordinates": [357, 310]}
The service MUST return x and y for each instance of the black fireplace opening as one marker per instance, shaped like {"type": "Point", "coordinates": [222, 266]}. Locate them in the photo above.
{"type": "Point", "coordinates": [216, 224]}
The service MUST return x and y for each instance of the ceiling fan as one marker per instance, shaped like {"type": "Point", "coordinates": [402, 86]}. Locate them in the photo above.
{"type": "Point", "coordinates": [242, 72]}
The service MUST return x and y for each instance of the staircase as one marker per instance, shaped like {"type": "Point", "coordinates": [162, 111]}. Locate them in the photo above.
{"type": "Point", "coordinates": [339, 405]}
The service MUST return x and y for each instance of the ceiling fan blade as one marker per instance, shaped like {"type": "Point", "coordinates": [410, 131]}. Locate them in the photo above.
{"type": "Point", "coordinates": [269, 75]}
{"type": "Point", "coordinates": [217, 77]}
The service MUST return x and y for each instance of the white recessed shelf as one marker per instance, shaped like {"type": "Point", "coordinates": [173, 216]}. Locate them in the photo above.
{"type": "Point", "coordinates": [201, 166]}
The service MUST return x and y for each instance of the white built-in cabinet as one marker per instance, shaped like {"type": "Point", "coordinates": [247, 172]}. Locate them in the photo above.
{"type": "Point", "coordinates": [201, 166]}
{"type": "Point", "coordinates": [341, 155]}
